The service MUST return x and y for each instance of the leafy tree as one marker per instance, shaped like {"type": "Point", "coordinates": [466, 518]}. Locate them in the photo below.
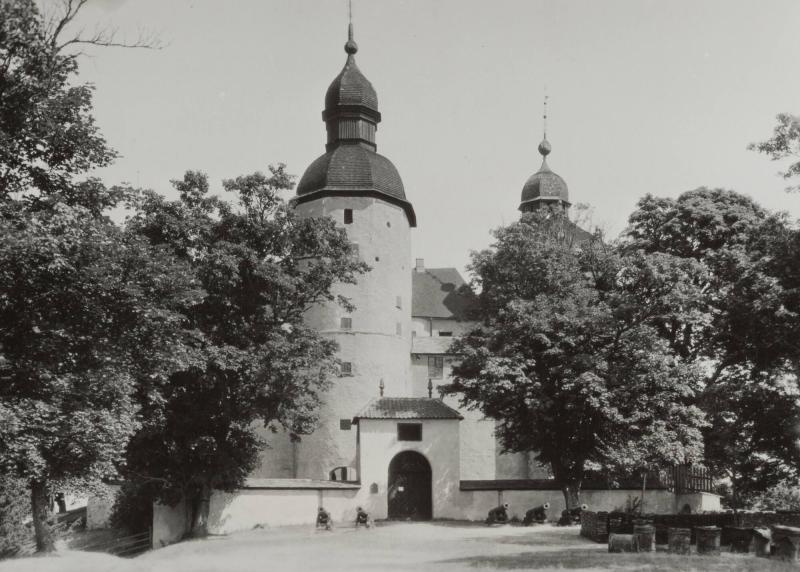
{"type": "Point", "coordinates": [15, 512]}
{"type": "Point", "coordinates": [256, 362]}
{"type": "Point", "coordinates": [84, 312]}
{"type": "Point", "coordinates": [567, 358]}
{"type": "Point", "coordinates": [784, 144]}
{"type": "Point", "coordinates": [751, 300]}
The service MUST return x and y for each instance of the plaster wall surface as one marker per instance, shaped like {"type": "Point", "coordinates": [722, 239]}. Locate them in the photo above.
{"type": "Point", "coordinates": [439, 445]}
{"type": "Point", "coordinates": [245, 509]}
{"type": "Point", "coordinates": [169, 524]}
{"type": "Point", "coordinates": [476, 434]}
{"type": "Point", "coordinates": [377, 344]}
{"type": "Point", "coordinates": [424, 326]}
{"type": "Point", "coordinates": [98, 508]}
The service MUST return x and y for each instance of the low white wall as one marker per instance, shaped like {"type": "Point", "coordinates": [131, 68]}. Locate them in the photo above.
{"type": "Point", "coordinates": [169, 524]}
{"type": "Point", "coordinates": [248, 508]}
{"type": "Point", "coordinates": [98, 508]}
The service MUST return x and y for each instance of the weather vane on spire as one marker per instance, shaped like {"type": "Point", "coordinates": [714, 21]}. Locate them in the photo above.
{"type": "Point", "coordinates": [350, 47]}
{"type": "Point", "coordinates": [544, 146]}
{"type": "Point", "coordinates": [544, 116]}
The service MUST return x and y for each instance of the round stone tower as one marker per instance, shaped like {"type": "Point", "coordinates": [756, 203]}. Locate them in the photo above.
{"type": "Point", "coordinates": [362, 191]}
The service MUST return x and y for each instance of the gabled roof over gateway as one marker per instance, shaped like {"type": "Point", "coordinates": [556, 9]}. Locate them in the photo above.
{"type": "Point", "coordinates": [407, 408]}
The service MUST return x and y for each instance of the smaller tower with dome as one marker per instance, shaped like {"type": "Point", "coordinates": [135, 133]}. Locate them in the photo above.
{"type": "Point", "coordinates": [544, 189]}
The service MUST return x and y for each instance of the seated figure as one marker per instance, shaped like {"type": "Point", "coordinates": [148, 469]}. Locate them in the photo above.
{"type": "Point", "coordinates": [362, 518]}
{"type": "Point", "coordinates": [324, 519]}
{"type": "Point", "coordinates": [498, 515]}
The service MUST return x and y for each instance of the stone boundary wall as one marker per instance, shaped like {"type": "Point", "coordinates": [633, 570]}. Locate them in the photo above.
{"type": "Point", "coordinates": [596, 526]}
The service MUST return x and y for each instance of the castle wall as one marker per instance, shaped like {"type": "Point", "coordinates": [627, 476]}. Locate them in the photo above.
{"type": "Point", "coordinates": [377, 345]}
{"type": "Point", "coordinates": [476, 433]}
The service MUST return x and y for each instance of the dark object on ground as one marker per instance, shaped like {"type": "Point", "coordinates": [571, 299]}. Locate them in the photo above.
{"type": "Point", "coordinates": [498, 515]}
{"type": "Point", "coordinates": [740, 538]}
{"type": "Point", "coordinates": [762, 542]}
{"type": "Point", "coordinates": [362, 518]}
{"type": "Point", "coordinates": [645, 536]}
{"type": "Point", "coordinates": [708, 539]}
{"type": "Point", "coordinates": [785, 542]}
{"type": "Point", "coordinates": [324, 519]}
{"type": "Point", "coordinates": [572, 516]}
{"type": "Point", "coordinates": [623, 543]}
{"type": "Point", "coordinates": [536, 515]}
{"type": "Point", "coordinates": [680, 540]}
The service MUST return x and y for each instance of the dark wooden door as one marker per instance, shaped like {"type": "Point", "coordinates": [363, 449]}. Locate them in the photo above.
{"type": "Point", "coordinates": [410, 493]}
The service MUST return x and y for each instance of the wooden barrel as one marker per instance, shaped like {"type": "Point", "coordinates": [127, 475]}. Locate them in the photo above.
{"type": "Point", "coordinates": [645, 536]}
{"type": "Point", "coordinates": [679, 540]}
{"type": "Point", "coordinates": [708, 538]}
{"type": "Point", "coordinates": [623, 543]}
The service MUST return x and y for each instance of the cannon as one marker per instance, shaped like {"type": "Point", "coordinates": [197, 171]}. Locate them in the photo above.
{"type": "Point", "coordinates": [537, 514]}
{"type": "Point", "coordinates": [498, 515]}
{"type": "Point", "coordinates": [572, 515]}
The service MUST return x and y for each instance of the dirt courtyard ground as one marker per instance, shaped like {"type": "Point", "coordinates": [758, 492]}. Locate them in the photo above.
{"type": "Point", "coordinates": [426, 547]}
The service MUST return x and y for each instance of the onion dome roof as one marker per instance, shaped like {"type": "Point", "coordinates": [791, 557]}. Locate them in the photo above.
{"type": "Point", "coordinates": [545, 185]}
{"type": "Point", "coordinates": [352, 168]}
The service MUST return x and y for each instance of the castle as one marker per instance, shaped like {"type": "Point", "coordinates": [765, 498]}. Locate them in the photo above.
{"type": "Point", "coordinates": [384, 440]}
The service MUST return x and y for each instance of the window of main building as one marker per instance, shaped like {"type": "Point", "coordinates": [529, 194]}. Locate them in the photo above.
{"type": "Point", "coordinates": [435, 367]}
{"type": "Point", "coordinates": [409, 432]}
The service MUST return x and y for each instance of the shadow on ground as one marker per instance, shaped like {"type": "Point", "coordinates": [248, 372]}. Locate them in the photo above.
{"type": "Point", "coordinates": [559, 559]}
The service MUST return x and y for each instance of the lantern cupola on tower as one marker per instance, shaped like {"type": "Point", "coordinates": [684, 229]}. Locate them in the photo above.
{"type": "Point", "coordinates": [351, 166]}
{"type": "Point", "coordinates": [544, 188]}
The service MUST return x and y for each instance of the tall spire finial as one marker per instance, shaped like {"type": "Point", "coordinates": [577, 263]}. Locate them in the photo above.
{"type": "Point", "coordinates": [350, 47]}
{"type": "Point", "coordinates": [544, 116]}
{"type": "Point", "coordinates": [544, 146]}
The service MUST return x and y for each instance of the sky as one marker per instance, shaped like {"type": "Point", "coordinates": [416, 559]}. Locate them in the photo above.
{"type": "Point", "coordinates": [645, 96]}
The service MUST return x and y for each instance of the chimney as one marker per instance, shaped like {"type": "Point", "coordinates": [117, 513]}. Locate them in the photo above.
{"type": "Point", "coordinates": [420, 265]}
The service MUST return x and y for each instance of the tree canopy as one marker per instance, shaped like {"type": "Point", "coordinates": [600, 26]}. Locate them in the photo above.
{"type": "Point", "coordinates": [784, 144]}
{"type": "Point", "coordinates": [747, 341]}
{"type": "Point", "coordinates": [567, 358]}
{"type": "Point", "coordinates": [255, 363]}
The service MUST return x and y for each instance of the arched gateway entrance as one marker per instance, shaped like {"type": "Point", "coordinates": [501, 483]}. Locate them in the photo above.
{"type": "Point", "coordinates": [410, 492]}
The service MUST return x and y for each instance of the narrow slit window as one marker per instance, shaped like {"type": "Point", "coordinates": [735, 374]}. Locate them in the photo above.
{"type": "Point", "coordinates": [445, 334]}
{"type": "Point", "coordinates": [346, 324]}
{"type": "Point", "coordinates": [398, 329]}
{"type": "Point", "coordinates": [399, 302]}
{"type": "Point", "coordinates": [348, 216]}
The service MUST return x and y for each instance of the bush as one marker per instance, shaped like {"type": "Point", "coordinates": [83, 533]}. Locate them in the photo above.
{"type": "Point", "coordinates": [133, 508]}
{"type": "Point", "coordinates": [783, 496]}
{"type": "Point", "coordinates": [16, 527]}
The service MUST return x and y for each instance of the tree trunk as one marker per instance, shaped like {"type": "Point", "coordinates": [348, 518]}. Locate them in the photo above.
{"type": "Point", "coordinates": [572, 494]}
{"type": "Point", "coordinates": [45, 542]}
{"type": "Point", "coordinates": [644, 488]}
{"type": "Point", "coordinates": [200, 507]}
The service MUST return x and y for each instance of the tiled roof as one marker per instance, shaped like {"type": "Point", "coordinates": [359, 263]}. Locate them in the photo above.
{"type": "Point", "coordinates": [407, 408]}
{"type": "Point", "coordinates": [430, 344]}
{"type": "Point", "coordinates": [545, 184]}
{"type": "Point", "coordinates": [352, 167]}
{"type": "Point", "coordinates": [440, 293]}
{"type": "Point", "coordinates": [350, 87]}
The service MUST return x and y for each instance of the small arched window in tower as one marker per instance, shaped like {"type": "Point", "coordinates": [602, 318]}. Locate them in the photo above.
{"type": "Point", "coordinates": [348, 216]}
{"type": "Point", "coordinates": [398, 329]}
{"type": "Point", "coordinates": [388, 224]}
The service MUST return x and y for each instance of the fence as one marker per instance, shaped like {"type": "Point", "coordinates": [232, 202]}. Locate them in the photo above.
{"type": "Point", "coordinates": [126, 546]}
{"type": "Point", "coordinates": [686, 479]}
